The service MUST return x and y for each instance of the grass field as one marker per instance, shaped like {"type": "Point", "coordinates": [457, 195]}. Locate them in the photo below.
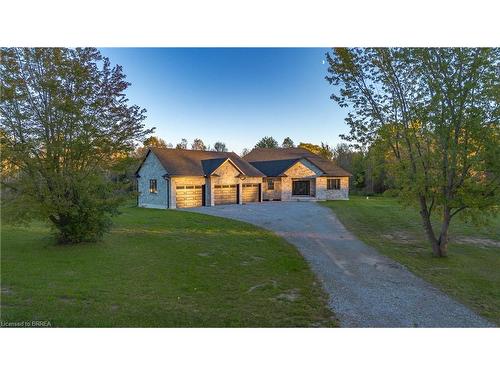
{"type": "Point", "coordinates": [160, 269]}
{"type": "Point", "coordinates": [471, 272]}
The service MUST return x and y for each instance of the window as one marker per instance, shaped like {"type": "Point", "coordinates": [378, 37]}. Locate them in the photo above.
{"type": "Point", "coordinates": [152, 186]}
{"type": "Point", "coordinates": [333, 184]}
{"type": "Point", "coordinates": [270, 184]}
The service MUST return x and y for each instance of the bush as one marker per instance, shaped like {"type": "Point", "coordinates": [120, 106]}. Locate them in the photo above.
{"type": "Point", "coordinates": [390, 193]}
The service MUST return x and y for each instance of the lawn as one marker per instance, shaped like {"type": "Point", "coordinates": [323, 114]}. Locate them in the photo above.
{"type": "Point", "coordinates": [160, 269]}
{"type": "Point", "coordinates": [471, 272]}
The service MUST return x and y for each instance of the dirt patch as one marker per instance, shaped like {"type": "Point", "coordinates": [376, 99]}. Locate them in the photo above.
{"type": "Point", "coordinates": [67, 300]}
{"type": "Point", "coordinates": [252, 260]}
{"type": "Point", "coordinates": [290, 296]}
{"type": "Point", "coordinates": [271, 283]}
{"type": "Point", "coordinates": [478, 241]}
{"type": "Point", "coordinates": [6, 290]}
{"type": "Point", "coordinates": [400, 237]}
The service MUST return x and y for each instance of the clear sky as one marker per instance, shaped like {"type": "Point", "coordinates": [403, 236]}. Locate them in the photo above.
{"type": "Point", "coordinates": [233, 95]}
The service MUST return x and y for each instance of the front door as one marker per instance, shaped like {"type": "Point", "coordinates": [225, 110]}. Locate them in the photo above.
{"type": "Point", "coordinates": [301, 187]}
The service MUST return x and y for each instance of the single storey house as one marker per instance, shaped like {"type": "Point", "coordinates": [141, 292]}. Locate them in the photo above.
{"type": "Point", "coordinates": [177, 178]}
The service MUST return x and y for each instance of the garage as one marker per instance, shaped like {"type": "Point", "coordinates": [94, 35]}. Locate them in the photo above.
{"type": "Point", "coordinates": [250, 193]}
{"type": "Point", "coordinates": [225, 194]}
{"type": "Point", "coordinates": [189, 196]}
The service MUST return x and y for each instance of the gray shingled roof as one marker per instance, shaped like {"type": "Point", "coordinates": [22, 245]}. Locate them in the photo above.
{"type": "Point", "coordinates": [275, 161]}
{"type": "Point", "coordinates": [274, 168]}
{"type": "Point", "coordinates": [179, 162]}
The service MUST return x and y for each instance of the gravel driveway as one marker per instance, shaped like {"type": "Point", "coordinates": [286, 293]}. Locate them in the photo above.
{"type": "Point", "coordinates": [366, 289]}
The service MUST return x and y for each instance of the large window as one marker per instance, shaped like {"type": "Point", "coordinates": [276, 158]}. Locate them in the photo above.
{"type": "Point", "coordinates": [152, 186]}
{"type": "Point", "coordinates": [333, 184]}
{"type": "Point", "coordinates": [270, 184]}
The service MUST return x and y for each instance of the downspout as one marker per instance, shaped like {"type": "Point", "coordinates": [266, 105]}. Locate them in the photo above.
{"type": "Point", "coordinates": [137, 189]}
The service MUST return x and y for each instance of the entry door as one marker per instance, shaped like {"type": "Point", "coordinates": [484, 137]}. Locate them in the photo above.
{"type": "Point", "coordinates": [301, 187]}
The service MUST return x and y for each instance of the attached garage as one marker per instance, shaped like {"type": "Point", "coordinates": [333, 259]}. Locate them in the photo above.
{"type": "Point", "coordinates": [189, 196]}
{"type": "Point", "coordinates": [225, 194]}
{"type": "Point", "coordinates": [250, 193]}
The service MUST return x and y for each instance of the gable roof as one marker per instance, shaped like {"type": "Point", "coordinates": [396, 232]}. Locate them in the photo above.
{"type": "Point", "coordinates": [277, 160]}
{"type": "Point", "coordinates": [180, 162]}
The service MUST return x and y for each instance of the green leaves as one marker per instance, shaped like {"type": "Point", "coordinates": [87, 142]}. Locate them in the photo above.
{"type": "Point", "coordinates": [65, 124]}
{"type": "Point", "coordinates": [435, 114]}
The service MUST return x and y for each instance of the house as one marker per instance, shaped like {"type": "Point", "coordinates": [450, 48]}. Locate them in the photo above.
{"type": "Point", "coordinates": [177, 178]}
{"type": "Point", "coordinates": [296, 173]}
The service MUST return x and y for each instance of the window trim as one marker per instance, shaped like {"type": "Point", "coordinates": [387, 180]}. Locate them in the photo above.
{"type": "Point", "coordinates": [270, 184]}
{"type": "Point", "coordinates": [153, 186]}
{"type": "Point", "coordinates": [332, 184]}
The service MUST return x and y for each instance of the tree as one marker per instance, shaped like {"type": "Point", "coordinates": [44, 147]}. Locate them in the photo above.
{"type": "Point", "coordinates": [198, 145]}
{"type": "Point", "coordinates": [66, 125]}
{"type": "Point", "coordinates": [140, 152]}
{"type": "Point", "coordinates": [154, 141]}
{"type": "Point", "coordinates": [437, 111]}
{"type": "Point", "coordinates": [244, 152]}
{"type": "Point", "coordinates": [324, 150]}
{"type": "Point", "coordinates": [183, 144]}
{"type": "Point", "coordinates": [220, 147]}
{"type": "Point", "coordinates": [267, 142]}
{"type": "Point", "coordinates": [287, 143]}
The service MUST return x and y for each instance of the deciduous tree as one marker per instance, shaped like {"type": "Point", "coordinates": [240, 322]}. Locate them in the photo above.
{"type": "Point", "coordinates": [198, 145]}
{"type": "Point", "coordinates": [183, 144]}
{"type": "Point", "coordinates": [66, 124]}
{"type": "Point", "coordinates": [267, 142]}
{"type": "Point", "coordinates": [437, 111]}
{"type": "Point", "coordinates": [220, 147]}
{"type": "Point", "coordinates": [287, 143]}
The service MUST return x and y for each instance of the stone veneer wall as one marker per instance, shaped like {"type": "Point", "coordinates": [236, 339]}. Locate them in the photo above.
{"type": "Point", "coordinates": [227, 174]}
{"type": "Point", "coordinates": [325, 194]}
{"type": "Point", "coordinates": [152, 169]}
{"type": "Point", "coordinates": [271, 194]}
{"type": "Point", "coordinates": [301, 170]}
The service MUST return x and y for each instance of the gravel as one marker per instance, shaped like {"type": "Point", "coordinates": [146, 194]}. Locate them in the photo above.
{"type": "Point", "coordinates": [365, 288]}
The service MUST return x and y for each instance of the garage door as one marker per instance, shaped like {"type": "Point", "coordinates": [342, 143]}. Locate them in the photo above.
{"type": "Point", "coordinates": [226, 194]}
{"type": "Point", "coordinates": [189, 196]}
{"type": "Point", "coordinates": [251, 193]}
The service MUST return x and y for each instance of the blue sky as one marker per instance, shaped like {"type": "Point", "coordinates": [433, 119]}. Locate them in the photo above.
{"type": "Point", "coordinates": [235, 95]}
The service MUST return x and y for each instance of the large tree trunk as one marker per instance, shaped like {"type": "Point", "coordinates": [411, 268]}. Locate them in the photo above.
{"type": "Point", "coordinates": [443, 236]}
{"type": "Point", "coordinates": [439, 246]}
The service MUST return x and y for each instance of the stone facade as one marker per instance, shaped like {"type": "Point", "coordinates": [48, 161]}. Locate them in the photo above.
{"type": "Point", "coordinates": [271, 194]}
{"type": "Point", "coordinates": [324, 194]}
{"type": "Point", "coordinates": [227, 174]}
{"type": "Point", "coordinates": [152, 169]}
{"type": "Point", "coordinates": [300, 171]}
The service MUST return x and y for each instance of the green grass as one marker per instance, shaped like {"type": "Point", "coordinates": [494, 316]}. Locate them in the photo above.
{"type": "Point", "coordinates": [471, 272]}
{"type": "Point", "coordinates": [160, 269]}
